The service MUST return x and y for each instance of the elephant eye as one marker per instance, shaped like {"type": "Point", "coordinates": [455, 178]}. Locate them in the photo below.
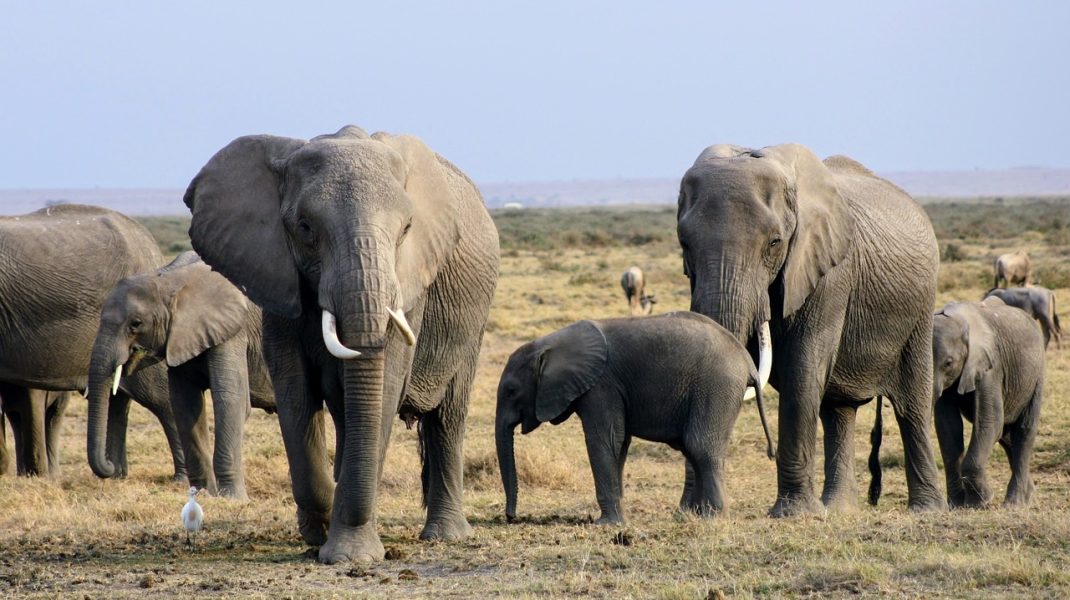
{"type": "Point", "coordinates": [774, 242]}
{"type": "Point", "coordinates": [135, 323]}
{"type": "Point", "coordinates": [405, 231]}
{"type": "Point", "coordinates": [304, 229]}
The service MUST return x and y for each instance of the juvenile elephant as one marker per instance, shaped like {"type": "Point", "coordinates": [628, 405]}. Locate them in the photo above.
{"type": "Point", "coordinates": [375, 262]}
{"type": "Point", "coordinates": [634, 284]}
{"type": "Point", "coordinates": [688, 398]}
{"type": "Point", "coordinates": [1013, 269]}
{"type": "Point", "coordinates": [840, 266]}
{"type": "Point", "coordinates": [1039, 303]}
{"type": "Point", "coordinates": [58, 264]}
{"type": "Point", "coordinates": [208, 334]}
{"type": "Point", "coordinates": [989, 369]}
{"type": "Point", "coordinates": [36, 418]}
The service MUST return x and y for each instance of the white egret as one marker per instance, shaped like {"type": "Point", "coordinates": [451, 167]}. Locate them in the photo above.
{"type": "Point", "coordinates": [192, 516]}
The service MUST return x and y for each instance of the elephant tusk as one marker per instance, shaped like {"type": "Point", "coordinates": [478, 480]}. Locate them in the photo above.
{"type": "Point", "coordinates": [115, 380]}
{"type": "Point", "coordinates": [330, 339]}
{"type": "Point", "coordinates": [398, 317]}
{"type": "Point", "coordinates": [765, 359]}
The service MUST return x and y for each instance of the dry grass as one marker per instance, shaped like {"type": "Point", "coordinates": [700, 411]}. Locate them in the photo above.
{"type": "Point", "coordinates": [80, 536]}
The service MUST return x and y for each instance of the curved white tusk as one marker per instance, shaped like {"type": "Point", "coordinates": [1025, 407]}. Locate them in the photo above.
{"type": "Point", "coordinates": [330, 339]}
{"type": "Point", "coordinates": [398, 317]}
{"type": "Point", "coordinates": [765, 359]}
{"type": "Point", "coordinates": [115, 380]}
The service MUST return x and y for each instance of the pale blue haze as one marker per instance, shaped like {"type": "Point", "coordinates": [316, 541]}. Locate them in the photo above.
{"type": "Point", "coordinates": [140, 94]}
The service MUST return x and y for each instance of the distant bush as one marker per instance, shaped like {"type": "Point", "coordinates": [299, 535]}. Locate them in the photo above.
{"type": "Point", "coordinates": [952, 252]}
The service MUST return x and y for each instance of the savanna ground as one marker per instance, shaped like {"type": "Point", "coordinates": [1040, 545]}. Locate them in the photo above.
{"type": "Point", "coordinates": [81, 536]}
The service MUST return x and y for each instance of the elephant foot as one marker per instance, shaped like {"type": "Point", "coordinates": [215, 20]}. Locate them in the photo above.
{"type": "Point", "coordinates": [975, 494]}
{"type": "Point", "coordinates": [313, 528]}
{"type": "Point", "coordinates": [1019, 495]}
{"type": "Point", "coordinates": [934, 504]}
{"type": "Point", "coordinates": [235, 492]}
{"type": "Point", "coordinates": [841, 502]}
{"type": "Point", "coordinates": [453, 529]}
{"type": "Point", "coordinates": [352, 544]}
{"type": "Point", "coordinates": [609, 520]}
{"type": "Point", "coordinates": [794, 506]}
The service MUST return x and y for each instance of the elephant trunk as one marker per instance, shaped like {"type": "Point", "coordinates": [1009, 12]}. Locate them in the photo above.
{"type": "Point", "coordinates": [359, 476]}
{"type": "Point", "coordinates": [503, 436]}
{"type": "Point", "coordinates": [104, 372]}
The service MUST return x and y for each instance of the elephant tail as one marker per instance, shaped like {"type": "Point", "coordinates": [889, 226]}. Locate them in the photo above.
{"type": "Point", "coordinates": [425, 468]}
{"type": "Point", "coordinates": [1055, 316]}
{"type": "Point", "coordinates": [875, 438]}
{"type": "Point", "coordinates": [756, 381]}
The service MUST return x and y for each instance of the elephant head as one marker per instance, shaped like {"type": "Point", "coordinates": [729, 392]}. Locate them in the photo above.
{"type": "Point", "coordinates": [540, 382]}
{"type": "Point", "coordinates": [962, 348]}
{"type": "Point", "coordinates": [758, 230]}
{"type": "Point", "coordinates": [172, 315]}
{"type": "Point", "coordinates": [349, 229]}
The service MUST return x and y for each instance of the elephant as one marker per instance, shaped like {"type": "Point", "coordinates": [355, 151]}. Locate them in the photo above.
{"type": "Point", "coordinates": [828, 274]}
{"type": "Point", "coordinates": [37, 414]}
{"type": "Point", "coordinates": [688, 398]}
{"type": "Point", "coordinates": [1013, 269]}
{"type": "Point", "coordinates": [208, 334]}
{"type": "Point", "coordinates": [59, 263]}
{"type": "Point", "coordinates": [989, 369]}
{"type": "Point", "coordinates": [375, 262]}
{"type": "Point", "coordinates": [634, 284]}
{"type": "Point", "coordinates": [1039, 303]}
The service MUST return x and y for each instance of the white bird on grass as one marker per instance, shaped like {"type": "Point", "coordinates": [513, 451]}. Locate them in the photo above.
{"type": "Point", "coordinates": [192, 516]}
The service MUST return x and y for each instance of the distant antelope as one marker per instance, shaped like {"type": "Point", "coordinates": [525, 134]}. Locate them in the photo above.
{"type": "Point", "coordinates": [634, 284]}
{"type": "Point", "coordinates": [1014, 269]}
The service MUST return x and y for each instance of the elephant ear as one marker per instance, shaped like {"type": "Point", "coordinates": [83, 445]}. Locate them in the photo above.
{"type": "Point", "coordinates": [572, 360]}
{"type": "Point", "coordinates": [824, 225]}
{"type": "Point", "coordinates": [206, 311]}
{"type": "Point", "coordinates": [237, 221]}
{"type": "Point", "coordinates": [436, 199]}
{"type": "Point", "coordinates": [980, 342]}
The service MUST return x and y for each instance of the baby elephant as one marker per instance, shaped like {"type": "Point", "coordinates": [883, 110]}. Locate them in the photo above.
{"type": "Point", "coordinates": [988, 363]}
{"type": "Point", "coordinates": [633, 282]}
{"type": "Point", "coordinates": [1039, 302]}
{"type": "Point", "coordinates": [677, 378]}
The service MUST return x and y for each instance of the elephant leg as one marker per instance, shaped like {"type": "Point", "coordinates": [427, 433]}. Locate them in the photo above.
{"type": "Point", "coordinates": [838, 421]}
{"type": "Point", "coordinates": [912, 404]}
{"type": "Point", "coordinates": [442, 437]}
{"type": "Point", "coordinates": [949, 434]}
{"type": "Point", "coordinates": [796, 441]}
{"type": "Point", "coordinates": [1019, 447]}
{"type": "Point", "coordinates": [151, 389]}
{"type": "Point", "coordinates": [5, 458]}
{"type": "Point", "coordinates": [187, 405]}
{"type": "Point", "coordinates": [687, 498]}
{"type": "Point", "coordinates": [229, 375]}
{"type": "Point", "coordinates": [987, 429]}
{"type": "Point", "coordinates": [34, 454]}
{"type": "Point", "coordinates": [53, 424]}
{"type": "Point", "coordinates": [605, 437]}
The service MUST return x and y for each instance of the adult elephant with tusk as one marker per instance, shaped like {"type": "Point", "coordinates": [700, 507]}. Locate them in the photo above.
{"type": "Point", "coordinates": [832, 271]}
{"type": "Point", "coordinates": [375, 262]}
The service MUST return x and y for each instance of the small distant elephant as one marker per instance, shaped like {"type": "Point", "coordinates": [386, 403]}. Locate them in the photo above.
{"type": "Point", "coordinates": [208, 333]}
{"type": "Point", "coordinates": [1013, 269]}
{"type": "Point", "coordinates": [634, 284]}
{"type": "Point", "coordinates": [36, 417]}
{"type": "Point", "coordinates": [1039, 302]}
{"type": "Point", "coordinates": [602, 370]}
{"type": "Point", "coordinates": [989, 368]}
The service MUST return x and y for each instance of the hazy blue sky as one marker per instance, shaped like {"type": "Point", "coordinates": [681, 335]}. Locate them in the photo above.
{"type": "Point", "coordinates": [136, 94]}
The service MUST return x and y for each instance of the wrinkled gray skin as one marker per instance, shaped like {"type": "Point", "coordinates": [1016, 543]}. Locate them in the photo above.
{"type": "Point", "coordinates": [1013, 269]}
{"type": "Point", "coordinates": [356, 225]}
{"type": "Point", "coordinates": [688, 398]}
{"type": "Point", "coordinates": [843, 265]}
{"type": "Point", "coordinates": [39, 415]}
{"type": "Point", "coordinates": [57, 266]}
{"type": "Point", "coordinates": [208, 334]}
{"type": "Point", "coordinates": [1039, 303]}
{"type": "Point", "coordinates": [634, 285]}
{"type": "Point", "coordinates": [989, 360]}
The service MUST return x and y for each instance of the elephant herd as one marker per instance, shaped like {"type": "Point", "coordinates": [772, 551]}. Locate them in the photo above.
{"type": "Point", "coordinates": [352, 275]}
